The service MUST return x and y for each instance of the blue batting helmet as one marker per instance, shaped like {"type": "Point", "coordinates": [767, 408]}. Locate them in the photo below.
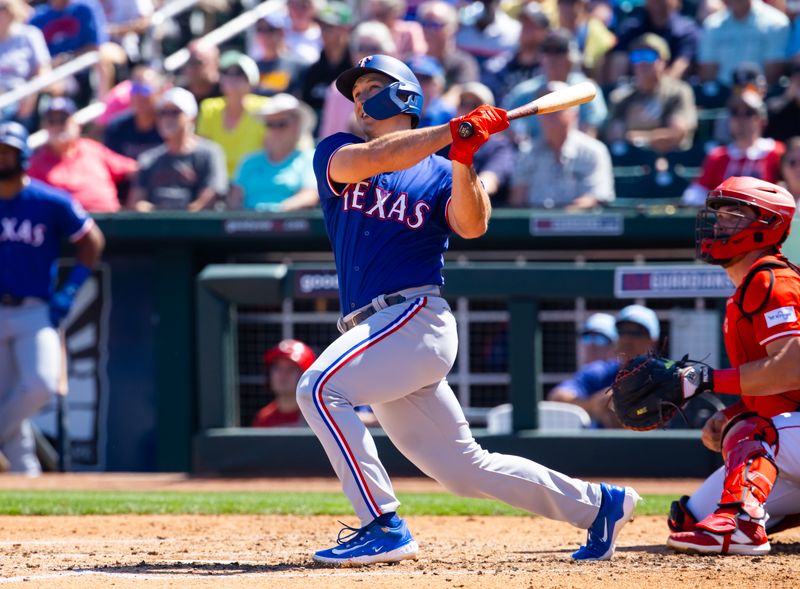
{"type": "Point", "coordinates": [15, 135]}
{"type": "Point", "coordinates": [403, 96]}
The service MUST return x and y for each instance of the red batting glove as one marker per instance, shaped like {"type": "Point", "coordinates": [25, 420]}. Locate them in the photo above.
{"type": "Point", "coordinates": [485, 120]}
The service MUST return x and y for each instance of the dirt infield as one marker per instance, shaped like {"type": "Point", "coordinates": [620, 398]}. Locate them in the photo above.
{"type": "Point", "coordinates": [273, 551]}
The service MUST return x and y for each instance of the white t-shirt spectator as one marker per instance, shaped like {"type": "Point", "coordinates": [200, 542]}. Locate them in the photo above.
{"type": "Point", "coordinates": [22, 53]}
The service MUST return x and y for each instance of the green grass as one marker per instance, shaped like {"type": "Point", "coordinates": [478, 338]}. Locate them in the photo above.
{"type": "Point", "coordinates": [251, 503]}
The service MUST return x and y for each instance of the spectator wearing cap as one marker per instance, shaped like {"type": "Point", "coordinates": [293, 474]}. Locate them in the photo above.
{"type": "Point", "coordinates": [746, 30]}
{"type": "Point", "coordinates": [784, 110]}
{"type": "Point", "coordinates": [229, 120]}
{"type": "Point", "coordinates": [74, 27]}
{"type": "Point", "coordinates": [187, 172]}
{"type": "Point", "coordinates": [747, 75]}
{"type": "Point", "coordinates": [407, 35]}
{"type": "Point", "coordinates": [368, 38]}
{"type": "Point", "coordinates": [748, 154]}
{"type": "Point", "coordinates": [335, 21]}
{"type": "Point", "coordinates": [563, 167]}
{"type": "Point", "coordinates": [638, 332]}
{"type": "Point", "coordinates": [439, 21]}
{"type": "Point", "coordinates": [560, 63]}
{"type": "Point", "coordinates": [597, 339]}
{"type": "Point", "coordinates": [88, 170]}
{"type": "Point", "coordinates": [279, 69]}
{"type": "Point", "coordinates": [200, 75]}
{"type": "Point", "coordinates": [430, 74]}
{"type": "Point", "coordinates": [655, 110]}
{"type": "Point", "coordinates": [494, 161]}
{"type": "Point", "coordinates": [135, 132]}
{"type": "Point", "coordinates": [593, 37]}
{"type": "Point", "coordinates": [486, 31]}
{"type": "Point", "coordinates": [23, 56]}
{"type": "Point", "coordinates": [281, 176]}
{"type": "Point", "coordinates": [662, 18]}
{"type": "Point", "coordinates": [504, 72]}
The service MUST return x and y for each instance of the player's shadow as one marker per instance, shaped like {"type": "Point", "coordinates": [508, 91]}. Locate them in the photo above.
{"type": "Point", "coordinates": [199, 568]}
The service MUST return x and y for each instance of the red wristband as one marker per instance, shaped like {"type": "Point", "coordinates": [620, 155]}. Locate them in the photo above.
{"type": "Point", "coordinates": [727, 381]}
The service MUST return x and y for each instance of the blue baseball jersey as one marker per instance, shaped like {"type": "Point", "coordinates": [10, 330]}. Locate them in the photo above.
{"type": "Point", "coordinates": [32, 227]}
{"type": "Point", "coordinates": [388, 232]}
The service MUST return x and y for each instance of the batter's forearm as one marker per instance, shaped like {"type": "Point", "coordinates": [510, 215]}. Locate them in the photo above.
{"type": "Point", "coordinates": [470, 207]}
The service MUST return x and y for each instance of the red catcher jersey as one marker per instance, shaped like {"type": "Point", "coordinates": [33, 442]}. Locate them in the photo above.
{"type": "Point", "coordinates": [746, 339]}
{"type": "Point", "coordinates": [761, 160]}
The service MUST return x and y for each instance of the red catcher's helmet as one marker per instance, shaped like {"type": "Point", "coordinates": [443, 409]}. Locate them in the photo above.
{"type": "Point", "coordinates": [294, 351]}
{"type": "Point", "coordinates": [774, 207]}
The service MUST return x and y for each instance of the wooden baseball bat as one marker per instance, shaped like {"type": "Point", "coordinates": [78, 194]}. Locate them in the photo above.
{"type": "Point", "coordinates": [552, 102]}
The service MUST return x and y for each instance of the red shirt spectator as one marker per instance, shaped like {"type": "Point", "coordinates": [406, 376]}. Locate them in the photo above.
{"type": "Point", "coordinates": [89, 172]}
{"type": "Point", "coordinates": [271, 416]}
{"type": "Point", "coordinates": [86, 169]}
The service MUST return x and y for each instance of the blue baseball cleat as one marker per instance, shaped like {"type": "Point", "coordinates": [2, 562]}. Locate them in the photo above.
{"type": "Point", "coordinates": [616, 510]}
{"type": "Point", "coordinates": [371, 544]}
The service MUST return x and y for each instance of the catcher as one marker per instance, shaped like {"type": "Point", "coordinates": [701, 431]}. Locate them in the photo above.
{"type": "Point", "coordinates": [742, 227]}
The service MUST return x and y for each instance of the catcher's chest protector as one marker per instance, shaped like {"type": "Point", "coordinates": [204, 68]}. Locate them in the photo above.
{"type": "Point", "coordinates": [763, 310]}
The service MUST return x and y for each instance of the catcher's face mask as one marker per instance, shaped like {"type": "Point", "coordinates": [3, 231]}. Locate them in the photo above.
{"type": "Point", "coordinates": [728, 228]}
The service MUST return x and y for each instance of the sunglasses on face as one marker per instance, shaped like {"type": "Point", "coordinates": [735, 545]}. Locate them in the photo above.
{"type": "Point", "coordinates": [268, 30]}
{"type": "Point", "coordinates": [368, 49]}
{"type": "Point", "coordinates": [432, 25]}
{"type": "Point", "coordinates": [237, 73]}
{"type": "Point", "coordinates": [169, 113]}
{"type": "Point", "coordinates": [595, 339]}
{"type": "Point", "coordinates": [138, 89]}
{"type": "Point", "coordinates": [277, 125]}
{"type": "Point", "coordinates": [643, 56]}
{"type": "Point", "coordinates": [55, 119]}
{"type": "Point", "coordinates": [554, 51]}
{"type": "Point", "coordinates": [632, 332]}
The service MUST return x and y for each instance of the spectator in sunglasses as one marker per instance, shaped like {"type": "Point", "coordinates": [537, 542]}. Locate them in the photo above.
{"type": "Point", "coordinates": [200, 74]}
{"type": "Point", "coordinates": [655, 110]}
{"type": "Point", "coordinates": [279, 68]}
{"type": "Point", "coordinates": [336, 22]}
{"type": "Point", "coordinates": [369, 38]}
{"type": "Point", "coordinates": [561, 62]}
{"type": "Point", "coordinates": [508, 69]}
{"type": "Point", "coordinates": [88, 170]}
{"type": "Point", "coordinates": [790, 167]}
{"type": "Point", "coordinates": [230, 120]}
{"type": "Point", "coordinates": [748, 154]}
{"type": "Point", "coordinates": [187, 172]}
{"type": "Point", "coordinates": [439, 21]}
{"type": "Point", "coordinates": [134, 133]}
{"type": "Point", "coordinates": [635, 331]}
{"type": "Point", "coordinates": [281, 176]}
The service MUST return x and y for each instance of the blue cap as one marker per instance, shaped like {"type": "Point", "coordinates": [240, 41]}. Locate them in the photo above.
{"type": "Point", "coordinates": [425, 65]}
{"type": "Point", "coordinates": [601, 324]}
{"type": "Point", "coordinates": [58, 104]}
{"type": "Point", "coordinates": [641, 316]}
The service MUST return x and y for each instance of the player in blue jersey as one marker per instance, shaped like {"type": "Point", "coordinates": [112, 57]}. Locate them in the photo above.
{"type": "Point", "coordinates": [390, 206]}
{"type": "Point", "coordinates": [34, 220]}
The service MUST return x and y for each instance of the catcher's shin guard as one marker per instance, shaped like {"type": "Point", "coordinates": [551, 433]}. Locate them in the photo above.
{"type": "Point", "coordinates": [680, 519]}
{"type": "Point", "coordinates": [748, 445]}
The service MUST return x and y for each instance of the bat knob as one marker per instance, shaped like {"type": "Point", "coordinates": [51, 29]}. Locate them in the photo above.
{"type": "Point", "coordinates": [465, 130]}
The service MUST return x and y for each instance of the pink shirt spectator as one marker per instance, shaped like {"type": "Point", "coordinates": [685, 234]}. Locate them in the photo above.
{"type": "Point", "coordinates": [89, 173]}
{"type": "Point", "coordinates": [337, 114]}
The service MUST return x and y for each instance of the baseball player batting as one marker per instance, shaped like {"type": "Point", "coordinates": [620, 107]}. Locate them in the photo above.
{"type": "Point", "coordinates": [390, 206]}
{"type": "Point", "coordinates": [34, 219]}
{"type": "Point", "coordinates": [742, 227]}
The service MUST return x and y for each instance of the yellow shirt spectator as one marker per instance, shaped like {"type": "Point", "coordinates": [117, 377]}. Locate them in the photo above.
{"type": "Point", "coordinates": [245, 138]}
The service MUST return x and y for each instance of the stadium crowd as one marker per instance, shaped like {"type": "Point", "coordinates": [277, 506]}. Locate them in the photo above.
{"type": "Point", "coordinates": [689, 94]}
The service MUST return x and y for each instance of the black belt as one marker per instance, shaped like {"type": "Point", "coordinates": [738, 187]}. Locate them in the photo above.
{"type": "Point", "coordinates": [7, 300]}
{"type": "Point", "coordinates": [369, 311]}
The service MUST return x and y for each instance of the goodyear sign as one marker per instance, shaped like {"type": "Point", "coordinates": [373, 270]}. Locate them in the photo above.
{"type": "Point", "coordinates": [679, 281]}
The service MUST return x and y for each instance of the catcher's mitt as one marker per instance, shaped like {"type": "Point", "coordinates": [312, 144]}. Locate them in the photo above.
{"type": "Point", "coordinates": [650, 390]}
